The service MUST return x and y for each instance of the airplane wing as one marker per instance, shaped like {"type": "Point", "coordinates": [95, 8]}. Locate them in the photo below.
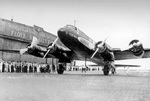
{"type": "Point", "coordinates": [147, 53]}
{"type": "Point", "coordinates": [124, 65]}
{"type": "Point", "coordinates": [53, 51]}
{"type": "Point", "coordinates": [37, 53]}
{"type": "Point", "coordinates": [128, 54]}
{"type": "Point", "coordinates": [10, 50]}
{"type": "Point", "coordinates": [62, 53]}
{"type": "Point", "coordinates": [121, 65]}
{"type": "Point", "coordinates": [135, 51]}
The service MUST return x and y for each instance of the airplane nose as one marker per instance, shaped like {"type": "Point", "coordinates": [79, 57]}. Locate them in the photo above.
{"type": "Point", "coordinates": [61, 32]}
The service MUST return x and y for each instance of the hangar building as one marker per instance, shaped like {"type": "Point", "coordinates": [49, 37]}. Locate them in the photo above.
{"type": "Point", "coordinates": [14, 35]}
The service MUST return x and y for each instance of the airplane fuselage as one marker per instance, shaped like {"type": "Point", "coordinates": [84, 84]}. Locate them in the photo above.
{"type": "Point", "coordinates": [80, 43]}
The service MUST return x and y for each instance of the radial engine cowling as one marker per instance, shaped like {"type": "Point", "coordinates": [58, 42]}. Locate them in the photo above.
{"type": "Point", "coordinates": [30, 48]}
{"type": "Point", "coordinates": [101, 45]}
{"type": "Point", "coordinates": [136, 47]}
{"type": "Point", "coordinates": [53, 48]}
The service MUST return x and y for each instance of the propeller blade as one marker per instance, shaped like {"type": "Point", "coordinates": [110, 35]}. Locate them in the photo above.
{"type": "Point", "coordinates": [94, 53]}
{"type": "Point", "coordinates": [51, 47]}
{"type": "Point", "coordinates": [124, 49]}
{"type": "Point", "coordinates": [34, 42]}
{"type": "Point", "coordinates": [55, 41]}
{"type": "Point", "coordinates": [105, 39]}
{"type": "Point", "coordinates": [99, 47]}
{"type": "Point", "coordinates": [22, 51]}
{"type": "Point", "coordinates": [103, 42]}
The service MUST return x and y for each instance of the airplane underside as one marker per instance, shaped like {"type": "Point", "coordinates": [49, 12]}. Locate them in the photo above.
{"type": "Point", "coordinates": [77, 46]}
{"type": "Point", "coordinates": [83, 53]}
{"type": "Point", "coordinates": [80, 47]}
{"type": "Point", "coordinates": [109, 67]}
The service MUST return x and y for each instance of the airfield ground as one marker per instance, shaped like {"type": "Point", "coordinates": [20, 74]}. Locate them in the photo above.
{"type": "Point", "coordinates": [76, 86]}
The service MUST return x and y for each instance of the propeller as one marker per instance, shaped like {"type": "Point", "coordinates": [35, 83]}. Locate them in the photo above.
{"type": "Point", "coordinates": [133, 43]}
{"type": "Point", "coordinates": [22, 51]}
{"type": "Point", "coordinates": [94, 53]}
{"type": "Point", "coordinates": [34, 42]}
{"type": "Point", "coordinates": [99, 47]}
{"type": "Point", "coordinates": [50, 47]}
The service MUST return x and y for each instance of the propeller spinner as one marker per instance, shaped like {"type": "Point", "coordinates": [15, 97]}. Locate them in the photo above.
{"type": "Point", "coordinates": [99, 47]}
{"type": "Point", "coordinates": [33, 43]}
{"type": "Point", "coordinates": [50, 47]}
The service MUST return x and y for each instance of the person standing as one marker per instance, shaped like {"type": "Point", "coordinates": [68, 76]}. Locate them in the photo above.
{"type": "Point", "coordinates": [12, 67]}
{"type": "Point", "coordinates": [35, 67]}
{"type": "Point", "coordinates": [19, 66]}
{"type": "Point", "coordinates": [9, 66]}
{"type": "Point", "coordinates": [30, 68]}
{"type": "Point", "coordinates": [25, 67]}
{"type": "Point", "coordinates": [6, 67]}
{"type": "Point", "coordinates": [38, 68]}
{"type": "Point", "coordinates": [1, 66]}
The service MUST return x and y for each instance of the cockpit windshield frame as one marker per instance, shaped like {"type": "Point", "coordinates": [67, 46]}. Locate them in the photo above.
{"type": "Point", "coordinates": [71, 26]}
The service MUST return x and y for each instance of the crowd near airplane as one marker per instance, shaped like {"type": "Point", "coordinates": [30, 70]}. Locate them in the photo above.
{"type": "Point", "coordinates": [81, 47]}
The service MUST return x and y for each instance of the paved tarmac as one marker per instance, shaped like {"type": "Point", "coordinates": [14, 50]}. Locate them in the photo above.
{"type": "Point", "coordinates": [75, 86]}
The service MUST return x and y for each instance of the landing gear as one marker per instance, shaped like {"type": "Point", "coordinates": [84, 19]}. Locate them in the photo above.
{"type": "Point", "coordinates": [109, 66]}
{"type": "Point", "coordinates": [113, 71]}
{"type": "Point", "coordinates": [106, 69]}
{"type": "Point", "coordinates": [60, 69]}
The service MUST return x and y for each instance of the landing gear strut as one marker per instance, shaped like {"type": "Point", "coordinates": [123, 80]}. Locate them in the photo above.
{"type": "Point", "coordinates": [109, 66]}
{"type": "Point", "coordinates": [60, 69]}
{"type": "Point", "coordinates": [106, 69]}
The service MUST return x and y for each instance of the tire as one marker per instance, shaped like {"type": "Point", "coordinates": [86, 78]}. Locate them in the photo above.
{"type": "Point", "coordinates": [60, 69]}
{"type": "Point", "coordinates": [106, 70]}
{"type": "Point", "coordinates": [113, 71]}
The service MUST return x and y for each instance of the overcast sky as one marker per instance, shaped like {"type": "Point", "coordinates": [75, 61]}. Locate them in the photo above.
{"type": "Point", "coordinates": [119, 20]}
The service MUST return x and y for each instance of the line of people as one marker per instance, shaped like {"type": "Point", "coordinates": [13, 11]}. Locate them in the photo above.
{"type": "Point", "coordinates": [25, 67]}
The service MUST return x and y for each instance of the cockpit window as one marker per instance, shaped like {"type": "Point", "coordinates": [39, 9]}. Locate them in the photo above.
{"type": "Point", "coordinates": [71, 26]}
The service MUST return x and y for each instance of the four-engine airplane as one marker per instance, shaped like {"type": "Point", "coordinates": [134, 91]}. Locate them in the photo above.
{"type": "Point", "coordinates": [81, 47]}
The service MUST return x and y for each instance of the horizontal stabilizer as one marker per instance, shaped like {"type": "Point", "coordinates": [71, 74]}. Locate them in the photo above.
{"type": "Point", "coordinates": [121, 65]}
{"type": "Point", "coordinates": [124, 65]}
{"type": "Point", "coordinates": [10, 50]}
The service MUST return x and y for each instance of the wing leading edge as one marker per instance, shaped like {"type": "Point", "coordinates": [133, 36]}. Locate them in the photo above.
{"type": "Point", "coordinates": [128, 54]}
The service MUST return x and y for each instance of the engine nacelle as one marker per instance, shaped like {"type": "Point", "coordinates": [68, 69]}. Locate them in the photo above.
{"type": "Point", "coordinates": [53, 48]}
{"type": "Point", "coordinates": [34, 49]}
{"type": "Point", "coordinates": [101, 48]}
{"type": "Point", "coordinates": [30, 49]}
{"type": "Point", "coordinates": [136, 47]}
{"type": "Point", "coordinates": [105, 51]}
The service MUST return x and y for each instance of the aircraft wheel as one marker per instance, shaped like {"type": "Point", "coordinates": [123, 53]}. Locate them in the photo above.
{"type": "Point", "coordinates": [113, 71]}
{"type": "Point", "coordinates": [60, 69]}
{"type": "Point", "coordinates": [106, 70]}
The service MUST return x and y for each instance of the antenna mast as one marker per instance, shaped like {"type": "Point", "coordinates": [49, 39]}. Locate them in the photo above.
{"type": "Point", "coordinates": [74, 22]}
{"type": "Point", "coordinates": [12, 18]}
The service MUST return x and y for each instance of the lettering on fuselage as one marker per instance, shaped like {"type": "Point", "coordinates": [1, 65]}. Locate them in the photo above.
{"type": "Point", "coordinates": [81, 37]}
{"type": "Point", "coordinates": [87, 43]}
{"type": "Point", "coordinates": [73, 35]}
